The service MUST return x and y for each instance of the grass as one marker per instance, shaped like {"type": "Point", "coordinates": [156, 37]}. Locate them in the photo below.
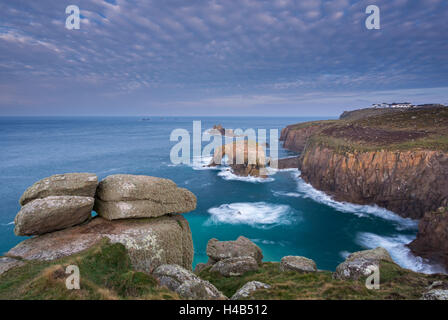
{"type": "Point", "coordinates": [105, 273]}
{"type": "Point", "coordinates": [396, 283]}
{"type": "Point", "coordinates": [345, 136]}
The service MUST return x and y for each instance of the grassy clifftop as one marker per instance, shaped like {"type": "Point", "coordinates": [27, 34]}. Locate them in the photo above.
{"type": "Point", "coordinates": [105, 273]}
{"type": "Point", "coordinates": [401, 130]}
{"type": "Point", "coordinates": [396, 284]}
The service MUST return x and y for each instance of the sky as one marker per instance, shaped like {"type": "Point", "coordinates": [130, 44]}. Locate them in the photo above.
{"type": "Point", "coordinates": [220, 57]}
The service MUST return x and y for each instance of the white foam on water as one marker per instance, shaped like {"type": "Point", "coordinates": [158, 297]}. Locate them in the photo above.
{"type": "Point", "coordinates": [8, 224]}
{"type": "Point", "coordinates": [201, 163]}
{"type": "Point", "coordinates": [308, 191]}
{"type": "Point", "coordinates": [344, 254]}
{"type": "Point", "coordinates": [286, 194]}
{"type": "Point", "coordinates": [256, 214]}
{"type": "Point", "coordinates": [269, 242]}
{"type": "Point", "coordinates": [227, 174]}
{"type": "Point", "coordinates": [400, 253]}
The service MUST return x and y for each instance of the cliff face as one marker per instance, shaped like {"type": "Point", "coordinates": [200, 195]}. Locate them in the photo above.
{"type": "Point", "coordinates": [432, 237]}
{"type": "Point", "coordinates": [295, 139]}
{"type": "Point", "coordinates": [409, 183]}
{"type": "Point", "coordinates": [397, 159]}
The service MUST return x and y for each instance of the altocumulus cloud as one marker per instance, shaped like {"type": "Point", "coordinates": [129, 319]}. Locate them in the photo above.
{"type": "Point", "coordinates": [306, 57]}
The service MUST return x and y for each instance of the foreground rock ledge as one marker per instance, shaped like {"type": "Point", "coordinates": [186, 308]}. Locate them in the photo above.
{"type": "Point", "coordinates": [241, 247]}
{"type": "Point", "coordinates": [186, 284]}
{"type": "Point", "coordinates": [150, 242]}
{"type": "Point", "coordinates": [298, 264]}
{"type": "Point", "coordinates": [360, 264]}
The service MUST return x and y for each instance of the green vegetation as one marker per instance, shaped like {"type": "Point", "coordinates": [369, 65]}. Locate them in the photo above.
{"type": "Point", "coordinates": [396, 283]}
{"type": "Point", "coordinates": [402, 130]}
{"type": "Point", "coordinates": [106, 273]}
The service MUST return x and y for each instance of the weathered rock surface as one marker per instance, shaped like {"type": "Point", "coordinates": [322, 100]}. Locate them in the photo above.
{"type": "Point", "coordinates": [237, 266]}
{"type": "Point", "coordinates": [296, 263]}
{"type": "Point", "coordinates": [295, 137]}
{"type": "Point", "coordinates": [52, 213]}
{"type": "Point", "coordinates": [250, 287]}
{"type": "Point", "coordinates": [69, 184]}
{"type": "Point", "coordinates": [131, 196]}
{"type": "Point", "coordinates": [432, 237]}
{"type": "Point", "coordinates": [201, 266]}
{"type": "Point", "coordinates": [362, 263]}
{"type": "Point", "coordinates": [288, 163]}
{"type": "Point", "coordinates": [150, 242]}
{"type": "Point", "coordinates": [246, 158]}
{"type": "Point", "coordinates": [219, 250]}
{"type": "Point", "coordinates": [7, 263]}
{"type": "Point", "coordinates": [436, 291]}
{"type": "Point", "coordinates": [186, 283]}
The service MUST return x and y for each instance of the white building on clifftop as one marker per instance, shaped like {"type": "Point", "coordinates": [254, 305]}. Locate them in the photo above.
{"type": "Point", "coordinates": [393, 105]}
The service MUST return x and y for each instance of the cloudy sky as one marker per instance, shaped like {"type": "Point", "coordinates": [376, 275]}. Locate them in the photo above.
{"type": "Point", "coordinates": [219, 57]}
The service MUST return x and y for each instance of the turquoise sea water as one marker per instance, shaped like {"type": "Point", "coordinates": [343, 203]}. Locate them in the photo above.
{"type": "Point", "coordinates": [283, 215]}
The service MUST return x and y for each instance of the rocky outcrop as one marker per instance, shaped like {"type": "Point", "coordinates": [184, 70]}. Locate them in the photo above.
{"type": "Point", "coordinates": [202, 266]}
{"type": "Point", "coordinates": [124, 196]}
{"type": "Point", "coordinates": [295, 137]}
{"type": "Point", "coordinates": [362, 263]}
{"type": "Point", "coordinates": [432, 237]}
{"type": "Point", "coordinates": [298, 264]}
{"type": "Point", "coordinates": [409, 183]}
{"type": "Point", "coordinates": [241, 247]}
{"type": "Point", "coordinates": [245, 291]}
{"type": "Point", "coordinates": [246, 158]}
{"type": "Point", "coordinates": [68, 184]}
{"type": "Point", "coordinates": [55, 203]}
{"type": "Point", "coordinates": [186, 284]}
{"type": "Point", "coordinates": [158, 237]}
{"type": "Point", "coordinates": [436, 291]}
{"type": "Point", "coordinates": [52, 213]}
{"type": "Point", "coordinates": [233, 267]}
{"type": "Point", "coordinates": [150, 242]}
{"type": "Point", "coordinates": [7, 263]}
{"type": "Point", "coordinates": [288, 163]}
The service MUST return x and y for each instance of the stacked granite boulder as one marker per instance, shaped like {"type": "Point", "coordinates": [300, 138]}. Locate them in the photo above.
{"type": "Point", "coordinates": [58, 202]}
{"type": "Point", "coordinates": [124, 196]}
{"type": "Point", "coordinates": [140, 212]}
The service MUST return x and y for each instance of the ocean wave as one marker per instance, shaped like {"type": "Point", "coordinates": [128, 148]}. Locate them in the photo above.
{"type": "Point", "coordinates": [201, 163]}
{"type": "Point", "coordinates": [255, 214]}
{"type": "Point", "coordinates": [286, 194]}
{"type": "Point", "coordinates": [308, 191]}
{"type": "Point", "coordinates": [400, 253]}
{"type": "Point", "coordinates": [269, 242]}
{"type": "Point", "coordinates": [8, 224]}
{"type": "Point", "coordinates": [227, 174]}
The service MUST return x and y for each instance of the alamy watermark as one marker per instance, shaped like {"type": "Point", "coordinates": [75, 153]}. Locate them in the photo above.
{"type": "Point", "coordinates": [73, 21]}
{"type": "Point", "coordinates": [373, 20]}
{"type": "Point", "coordinates": [237, 146]}
{"type": "Point", "coordinates": [72, 281]}
{"type": "Point", "coordinates": [373, 280]}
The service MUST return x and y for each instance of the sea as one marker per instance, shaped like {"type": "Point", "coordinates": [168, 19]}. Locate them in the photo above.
{"type": "Point", "coordinates": [282, 214]}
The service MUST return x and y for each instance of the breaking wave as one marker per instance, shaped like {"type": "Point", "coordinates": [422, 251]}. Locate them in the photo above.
{"type": "Point", "coordinates": [227, 174]}
{"type": "Point", "coordinates": [255, 214]}
{"type": "Point", "coordinates": [308, 191]}
{"type": "Point", "coordinates": [400, 253]}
